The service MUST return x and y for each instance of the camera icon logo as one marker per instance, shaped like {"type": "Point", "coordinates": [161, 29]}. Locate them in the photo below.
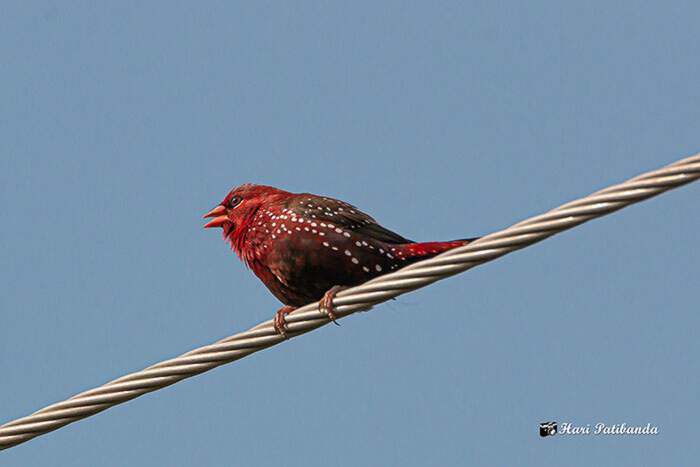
{"type": "Point", "coordinates": [548, 429]}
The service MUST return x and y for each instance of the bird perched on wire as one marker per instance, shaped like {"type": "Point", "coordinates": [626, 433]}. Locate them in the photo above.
{"type": "Point", "coordinates": [306, 247]}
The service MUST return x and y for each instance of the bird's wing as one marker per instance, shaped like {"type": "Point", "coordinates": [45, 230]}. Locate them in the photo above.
{"type": "Point", "coordinates": [344, 215]}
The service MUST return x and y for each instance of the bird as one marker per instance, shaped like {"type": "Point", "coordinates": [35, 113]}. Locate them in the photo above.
{"type": "Point", "coordinates": [307, 247]}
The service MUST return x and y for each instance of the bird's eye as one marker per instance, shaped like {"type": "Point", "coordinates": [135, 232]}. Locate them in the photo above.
{"type": "Point", "coordinates": [235, 201]}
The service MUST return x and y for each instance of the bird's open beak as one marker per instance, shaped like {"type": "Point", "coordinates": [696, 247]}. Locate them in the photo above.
{"type": "Point", "coordinates": [219, 217]}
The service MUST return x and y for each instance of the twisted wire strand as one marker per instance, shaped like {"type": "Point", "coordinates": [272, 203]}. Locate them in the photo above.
{"type": "Point", "coordinates": [359, 298]}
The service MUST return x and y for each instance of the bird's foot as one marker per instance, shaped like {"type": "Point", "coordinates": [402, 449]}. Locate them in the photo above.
{"type": "Point", "coordinates": [326, 303]}
{"type": "Point", "coordinates": [280, 323]}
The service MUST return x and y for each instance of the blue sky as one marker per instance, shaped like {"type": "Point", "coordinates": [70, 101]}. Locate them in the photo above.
{"type": "Point", "coordinates": [121, 124]}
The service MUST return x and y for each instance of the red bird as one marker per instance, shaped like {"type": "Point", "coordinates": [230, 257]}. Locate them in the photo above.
{"type": "Point", "coordinates": [306, 247]}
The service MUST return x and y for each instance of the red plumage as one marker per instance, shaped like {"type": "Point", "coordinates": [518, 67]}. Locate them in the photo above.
{"type": "Point", "coordinates": [301, 245]}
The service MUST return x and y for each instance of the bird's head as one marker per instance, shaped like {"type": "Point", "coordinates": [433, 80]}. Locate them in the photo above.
{"type": "Point", "coordinates": [238, 208]}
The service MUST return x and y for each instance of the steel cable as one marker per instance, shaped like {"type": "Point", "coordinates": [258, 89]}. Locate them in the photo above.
{"type": "Point", "coordinates": [359, 298]}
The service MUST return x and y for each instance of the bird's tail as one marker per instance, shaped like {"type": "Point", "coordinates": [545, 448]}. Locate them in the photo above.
{"type": "Point", "coordinates": [424, 250]}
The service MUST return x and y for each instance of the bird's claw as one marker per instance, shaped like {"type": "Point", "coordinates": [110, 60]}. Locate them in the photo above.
{"type": "Point", "coordinates": [280, 323]}
{"type": "Point", "coordinates": [325, 305]}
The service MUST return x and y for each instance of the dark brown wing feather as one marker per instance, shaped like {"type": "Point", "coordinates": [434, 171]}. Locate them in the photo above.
{"type": "Point", "coordinates": [382, 234]}
{"type": "Point", "coordinates": [343, 214]}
